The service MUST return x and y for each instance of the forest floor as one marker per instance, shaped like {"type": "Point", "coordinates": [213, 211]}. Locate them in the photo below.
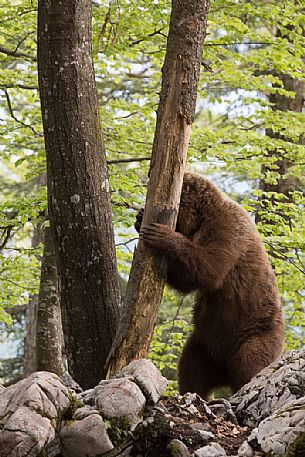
{"type": "Point", "coordinates": [191, 423]}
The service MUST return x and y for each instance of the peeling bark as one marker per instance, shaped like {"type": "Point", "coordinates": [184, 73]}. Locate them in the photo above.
{"type": "Point", "coordinates": [175, 115]}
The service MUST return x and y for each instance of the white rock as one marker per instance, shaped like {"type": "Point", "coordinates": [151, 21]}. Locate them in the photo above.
{"type": "Point", "coordinates": [30, 411]}
{"type": "Point", "coordinates": [252, 438]}
{"type": "Point", "coordinates": [147, 377]}
{"type": "Point", "coordinates": [25, 434]}
{"type": "Point", "coordinates": [193, 410]}
{"type": "Point", "coordinates": [245, 450]}
{"type": "Point", "coordinates": [87, 397]}
{"type": "Point", "coordinates": [280, 383]}
{"type": "Point", "coordinates": [222, 407]}
{"type": "Point", "coordinates": [41, 391]}
{"type": "Point", "coordinates": [84, 411]}
{"type": "Point", "coordinates": [208, 436]}
{"type": "Point", "coordinates": [212, 450]}
{"type": "Point", "coordinates": [85, 438]}
{"type": "Point", "coordinates": [120, 399]}
{"type": "Point", "coordinates": [178, 449]}
{"type": "Point", "coordinates": [279, 432]}
{"type": "Point", "coordinates": [189, 398]}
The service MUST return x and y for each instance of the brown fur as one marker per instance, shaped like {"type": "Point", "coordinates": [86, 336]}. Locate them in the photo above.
{"type": "Point", "coordinates": [216, 252]}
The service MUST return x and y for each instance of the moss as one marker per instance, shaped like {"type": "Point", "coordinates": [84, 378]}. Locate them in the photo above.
{"type": "Point", "coordinates": [152, 440]}
{"type": "Point", "coordinates": [42, 413]}
{"type": "Point", "coordinates": [69, 422]}
{"type": "Point", "coordinates": [297, 449]}
{"type": "Point", "coordinates": [74, 405]}
{"type": "Point", "coordinates": [117, 431]}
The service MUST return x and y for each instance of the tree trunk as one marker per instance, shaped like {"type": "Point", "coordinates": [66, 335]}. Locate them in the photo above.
{"type": "Point", "coordinates": [284, 103]}
{"type": "Point", "coordinates": [29, 361]}
{"type": "Point", "coordinates": [49, 336]}
{"type": "Point", "coordinates": [174, 118]}
{"type": "Point", "coordinates": [78, 187]}
{"type": "Point", "coordinates": [285, 183]}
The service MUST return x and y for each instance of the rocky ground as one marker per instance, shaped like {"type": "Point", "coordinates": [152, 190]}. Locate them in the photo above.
{"type": "Point", "coordinates": [48, 416]}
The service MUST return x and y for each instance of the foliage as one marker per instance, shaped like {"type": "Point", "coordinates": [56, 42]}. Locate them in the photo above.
{"type": "Point", "coordinates": [166, 347]}
{"type": "Point", "coordinates": [249, 48]}
{"type": "Point", "coordinates": [11, 339]}
{"type": "Point", "coordinates": [173, 327]}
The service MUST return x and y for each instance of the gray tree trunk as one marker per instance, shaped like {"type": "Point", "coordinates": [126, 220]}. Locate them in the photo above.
{"type": "Point", "coordinates": [49, 337]}
{"type": "Point", "coordinates": [283, 103]}
{"type": "Point", "coordinates": [78, 187]}
{"type": "Point", "coordinates": [29, 361]}
{"type": "Point", "coordinates": [286, 182]}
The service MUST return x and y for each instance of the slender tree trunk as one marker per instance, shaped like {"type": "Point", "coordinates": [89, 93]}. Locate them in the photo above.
{"type": "Point", "coordinates": [30, 362]}
{"type": "Point", "coordinates": [49, 339]}
{"type": "Point", "coordinates": [78, 187]}
{"type": "Point", "coordinates": [174, 118]}
{"type": "Point", "coordinates": [283, 103]}
{"type": "Point", "coordinates": [286, 182]}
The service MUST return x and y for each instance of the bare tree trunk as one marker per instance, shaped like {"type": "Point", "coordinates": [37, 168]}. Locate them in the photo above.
{"type": "Point", "coordinates": [31, 312]}
{"type": "Point", "coordinates": [29, 361]}
{"type": "Point", "coordinates": [286, 182]}
{"type": "Point", "coordinates": [284, 103]}
{"type": "Point", "coordinates": [78, 187]}
{"type": "Point", "coordinates": [174, 118]}
{"type": "Point", "coordinates": [49, 328]}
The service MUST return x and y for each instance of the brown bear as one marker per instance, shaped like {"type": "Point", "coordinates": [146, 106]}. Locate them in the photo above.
{"type": "Point", "coordinates": [217, 252]}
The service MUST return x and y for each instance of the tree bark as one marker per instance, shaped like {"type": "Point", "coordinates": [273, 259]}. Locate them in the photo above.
{"type": "Point", "coordinates": [175, 115]}
{"type": "Point", "coordinates": [283, 103]}
{"type": "Point", "coordinates": [285, 183]}
{"type": "Point", "coordinates": [30, 361]}
{"type": "Point", "coordinates": [49, 338]}
{"type": "Point", "coordinates": [78, 187]}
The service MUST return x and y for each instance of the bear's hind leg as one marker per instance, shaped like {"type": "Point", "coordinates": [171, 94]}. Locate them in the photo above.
{"type": "Point", "coordinates": [253, 355]}
{"type": "Point", "coordinates": [196, 371]}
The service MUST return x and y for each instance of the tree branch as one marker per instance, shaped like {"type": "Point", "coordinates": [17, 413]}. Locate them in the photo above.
{"type": "Point", "coordinates": [132, 159]}
{"type": "Point", "coordinates": [19, 86]}
{"type": "Point", "coordinates": [126, 244]}
{"type": "Point", "coordinates": [241, 42]}
{"type": "Point", "coordinates": [285, 257]}
{"type": "Point", "coordinates": [14, 53]}
{"type": "Point", "coordinates": [126, 205]}
{"type": "Point", "coordinates": [156, 32]}
{"type": "Point", "coordinates": [16, 309]}
{"type": "Point", "coordinates": [6, 236]}
{"type": "Point", "coordinates": [10, 108]}
{"type": "Point", "coordinates": [23, 40]}
{"type": "Point", "coordinates": [15, 283]}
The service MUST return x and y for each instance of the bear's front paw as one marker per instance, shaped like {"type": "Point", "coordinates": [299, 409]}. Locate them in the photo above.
{"type": "Point", "coordinates": [156, 235]}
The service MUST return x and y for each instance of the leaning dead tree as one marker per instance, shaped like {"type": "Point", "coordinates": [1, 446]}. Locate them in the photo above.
{"type": "Point", "coordinates": [174, 118]}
